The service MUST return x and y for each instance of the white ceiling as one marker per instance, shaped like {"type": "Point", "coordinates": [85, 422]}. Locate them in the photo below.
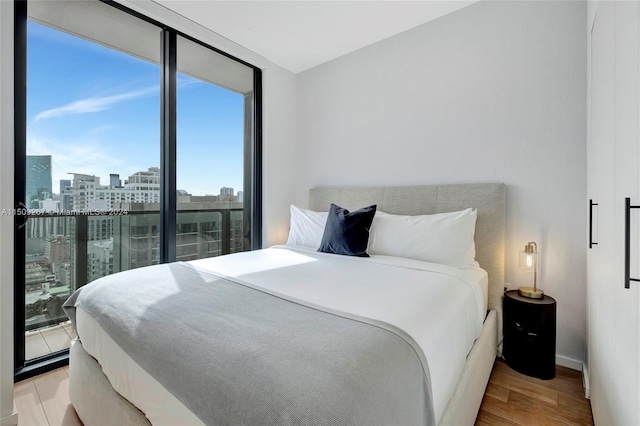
{"type": "Point", "coordinates": [298, 35]}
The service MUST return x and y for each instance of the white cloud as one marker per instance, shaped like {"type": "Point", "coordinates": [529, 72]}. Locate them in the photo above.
{"type": "Point", "coordinates": [82, 156]}
{"type": "Point", "coordinates": [95, 104]}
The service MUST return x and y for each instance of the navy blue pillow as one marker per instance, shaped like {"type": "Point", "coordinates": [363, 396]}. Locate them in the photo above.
{"type": "Point", "coordinates": [347, 232]}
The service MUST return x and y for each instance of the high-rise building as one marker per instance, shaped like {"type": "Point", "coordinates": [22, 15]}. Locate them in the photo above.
{"type": "Point", "coordinates": [39, 186]}
{"type": "Point", "coordinates": [39, 228]}
{"type": "Point", "coordinates": [141, 187]}
{"type": "Point", "coordinates": [65, 194]}
{"type": "Point", "coordinates": [57, 249]}
{"type": "Point", "coordinates": [83, 190]}
{"type": "Point", "coordinates": [240, 197]}
{"type": "Point", "coordinates": [226, 191]}
{"type": "Point", "coordinates": [99, 259]}
{"type": "Point", "coordinates": [64, 184]}
{"type": "Point", "coordinates": [114, 180]}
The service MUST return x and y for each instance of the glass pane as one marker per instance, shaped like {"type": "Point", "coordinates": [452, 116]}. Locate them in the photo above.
{"type": "Point", "coordinates": [214, 130]}
{"type": "Point", "coordinates": [93, 132]}
{"type": "Point", "coordinates": [136, 240]}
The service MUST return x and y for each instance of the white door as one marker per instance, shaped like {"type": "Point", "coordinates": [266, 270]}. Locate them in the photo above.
{"type": "Point", "coordinates": [600, 181]}
{"type": "Point", "coordinates": [624, 302]}
{"type": "Point", "coordinates": [613, 169]}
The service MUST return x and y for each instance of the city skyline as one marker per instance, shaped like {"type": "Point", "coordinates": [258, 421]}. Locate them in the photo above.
{"type": "Point", "coordinates": [67, 182]}
{"type": "Point", "coordinates": [96, 111]}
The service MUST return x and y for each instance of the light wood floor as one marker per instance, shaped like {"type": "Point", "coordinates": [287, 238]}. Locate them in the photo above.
{"type": "Point", "coordinates": [44, 400]}
{"type": "Point", "coordinates": [511, 399]}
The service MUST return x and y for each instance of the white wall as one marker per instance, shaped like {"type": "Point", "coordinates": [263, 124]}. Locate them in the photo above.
{"type": "Point", "coordinates": [279, 154]}
{"type": "Point", "coordinates": [6, 222]}
{"type": "Point", "coordinates": [493, 92]}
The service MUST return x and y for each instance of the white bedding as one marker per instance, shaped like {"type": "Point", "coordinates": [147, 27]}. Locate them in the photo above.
{"type": "Point", "coordinates": [441, 307]}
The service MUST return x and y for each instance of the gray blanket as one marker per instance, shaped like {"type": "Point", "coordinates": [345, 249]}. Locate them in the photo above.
{"type": "Point", "coordinates": [234, 354]}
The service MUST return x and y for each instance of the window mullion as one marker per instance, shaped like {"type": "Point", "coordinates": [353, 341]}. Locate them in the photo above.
{"type": "Point", "coordinates": [20, 153]}
{"type": "Point", "coordinates": [256, 181]}
{"type": "Point", "coordinates": [168, 197]}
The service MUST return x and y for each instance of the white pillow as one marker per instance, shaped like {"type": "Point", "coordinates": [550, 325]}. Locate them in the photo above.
{"type": "Point", "coordinates": [445, 238]}
{"type": "Point", "coordinates": [307, 227]}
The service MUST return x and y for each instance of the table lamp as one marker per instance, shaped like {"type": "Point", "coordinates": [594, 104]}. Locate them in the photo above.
{"type": "Point", "coordinates": [529, 261]}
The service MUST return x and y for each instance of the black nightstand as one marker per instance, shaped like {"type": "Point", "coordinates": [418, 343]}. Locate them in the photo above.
{"type": "Point", "coordinates": [529, 345]}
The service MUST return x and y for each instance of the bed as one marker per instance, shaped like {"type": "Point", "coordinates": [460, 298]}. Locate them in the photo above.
{"type": "Point", "coordinates": [99, 366]}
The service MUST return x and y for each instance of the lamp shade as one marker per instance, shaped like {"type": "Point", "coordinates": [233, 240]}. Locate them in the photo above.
{"type": "Point", "coordinates": [529, 261]}
{"type": "Point", "coordinates": [529, 257]}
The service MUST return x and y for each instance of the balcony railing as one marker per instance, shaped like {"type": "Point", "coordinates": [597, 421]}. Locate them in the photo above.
{"type": "Point", "coordinates": [85, 253]}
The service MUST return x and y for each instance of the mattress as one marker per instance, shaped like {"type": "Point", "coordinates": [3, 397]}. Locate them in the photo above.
{"type": "Point", "coordinates": [441, 307]}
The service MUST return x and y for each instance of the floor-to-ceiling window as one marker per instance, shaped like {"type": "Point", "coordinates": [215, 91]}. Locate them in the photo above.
{"type": "Point", "coordinates": [214, 130]}
{"type": "Point", "coordinates": [135, 145]}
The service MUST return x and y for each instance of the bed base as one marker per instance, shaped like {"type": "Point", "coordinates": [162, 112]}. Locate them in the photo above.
{"type": "Point", "coordinates": [465, 402]}
{"type": "Point", "coordinates": [96, 402]}
{"type": "Point", "coordinates": [91, 394]}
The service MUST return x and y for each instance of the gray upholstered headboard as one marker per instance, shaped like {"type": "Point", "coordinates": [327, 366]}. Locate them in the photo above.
{"type": "Point", "coordinates": [488, 198]}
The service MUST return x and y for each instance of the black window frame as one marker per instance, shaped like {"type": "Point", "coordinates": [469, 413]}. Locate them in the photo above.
{"type": "Point", "coordinates": [25, 369]}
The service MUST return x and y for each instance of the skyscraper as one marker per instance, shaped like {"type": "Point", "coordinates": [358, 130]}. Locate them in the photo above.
{"type": "Point", "coordinates": [114, 180]}
{"type": "Point", "coordinates": [65, 194]}
{"type": "Point", "coordinates": [226, 191]}
{"type": "Point", "coordinates": [39, 186]}
{"type": "Point", "coordinates": [64, 183]}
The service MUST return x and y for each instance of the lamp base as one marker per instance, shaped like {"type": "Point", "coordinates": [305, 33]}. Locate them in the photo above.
{"type": "Point", "coordinates": [530, 292]}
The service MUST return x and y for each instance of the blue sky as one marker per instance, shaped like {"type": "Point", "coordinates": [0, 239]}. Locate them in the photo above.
{"type": "Point", "coordinates": [97, 111]}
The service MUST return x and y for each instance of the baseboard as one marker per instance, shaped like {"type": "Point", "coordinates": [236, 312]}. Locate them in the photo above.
{"type": "Point", "coordinates": [574, 364]}
{"type": "Point", "coordinates": [10, 420]}
{"type": "Point", "coordinates": [571, 363]}
{"type": "Point", "coordinates": [585, 381]}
